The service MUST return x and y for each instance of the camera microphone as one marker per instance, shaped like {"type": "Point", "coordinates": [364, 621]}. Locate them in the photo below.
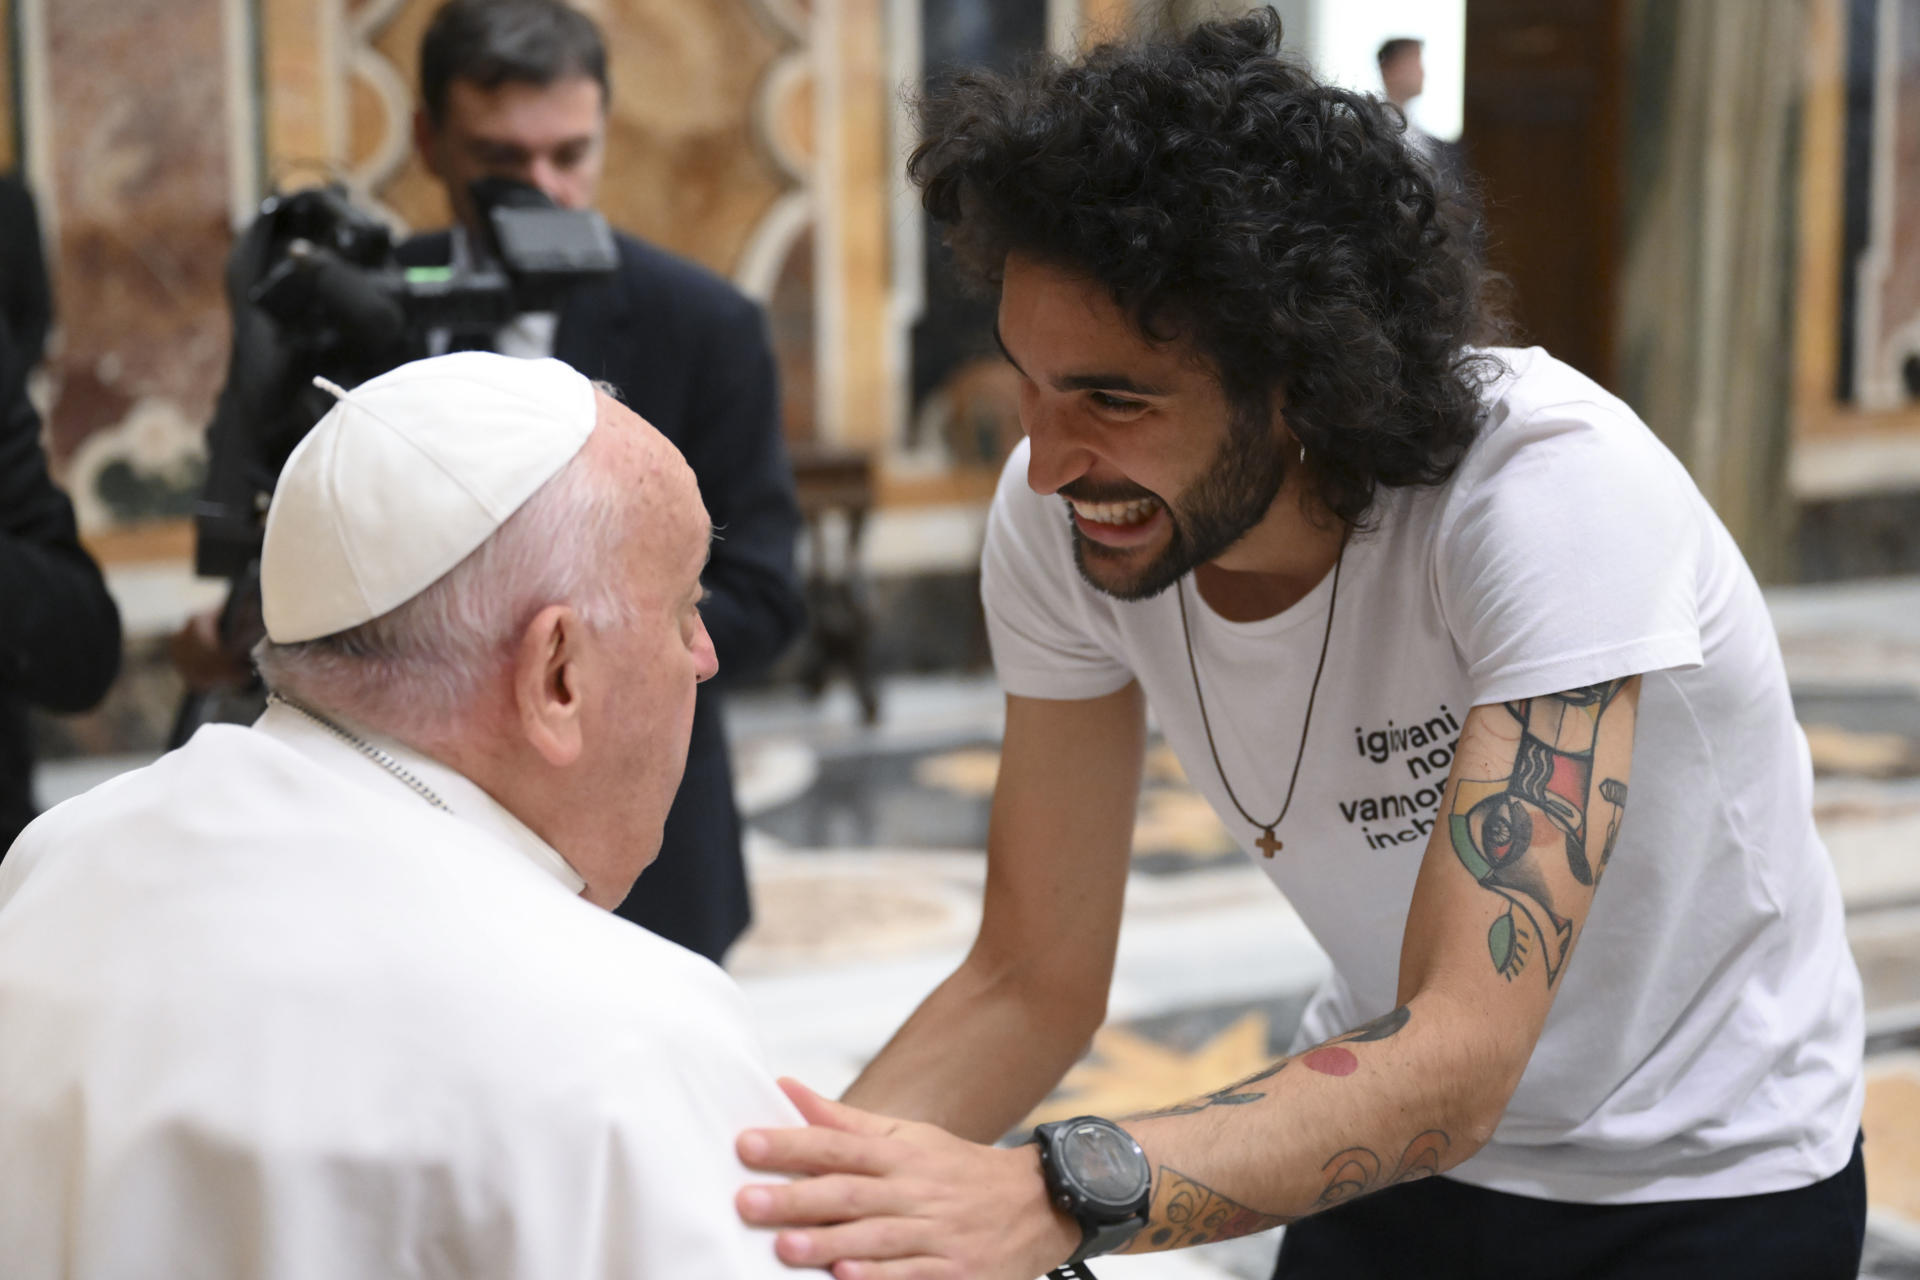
{"type": "Point", "coordinates": [314, 282]}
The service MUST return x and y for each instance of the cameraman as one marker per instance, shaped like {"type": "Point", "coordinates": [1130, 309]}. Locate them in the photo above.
{"type": "Point", "coordinates": [518, 89]}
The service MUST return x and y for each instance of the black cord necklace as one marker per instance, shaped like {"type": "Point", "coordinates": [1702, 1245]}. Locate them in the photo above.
{"type": "Point", "coordinates": [1268, 843]}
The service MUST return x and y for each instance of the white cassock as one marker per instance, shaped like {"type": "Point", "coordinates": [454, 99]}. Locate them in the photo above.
{"type": "Point", "coordinates": [265, 1012]}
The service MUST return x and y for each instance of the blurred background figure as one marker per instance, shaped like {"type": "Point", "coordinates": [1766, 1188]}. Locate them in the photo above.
{"type": "Point", "coordinates": [26, 299]}
{"type": "Point", "coordinates": [59, 629]}
{"type": "Point", "coordinates": [1401, 72]}
{"type": "Point", "coordinates": [1404, 77]}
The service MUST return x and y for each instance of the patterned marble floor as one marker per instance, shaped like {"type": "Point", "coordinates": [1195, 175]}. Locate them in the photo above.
{"type": "Point", "coordinates": [866, 846]}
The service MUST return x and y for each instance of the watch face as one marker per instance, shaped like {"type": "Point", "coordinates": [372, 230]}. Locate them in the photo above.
{"type": "Point", "coordinates": [1105, 1162]}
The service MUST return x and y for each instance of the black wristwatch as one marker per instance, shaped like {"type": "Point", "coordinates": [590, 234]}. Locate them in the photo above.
{"type": "Point", "coordinates": [1098, 1175]}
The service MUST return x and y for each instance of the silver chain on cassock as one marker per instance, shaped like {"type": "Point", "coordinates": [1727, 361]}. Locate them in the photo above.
{"type": "Point", "coordinates": [367, 749]}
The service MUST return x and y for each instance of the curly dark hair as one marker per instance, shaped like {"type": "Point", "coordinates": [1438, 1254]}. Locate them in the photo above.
{"type": "Point", "coordinates": [1226, 197]}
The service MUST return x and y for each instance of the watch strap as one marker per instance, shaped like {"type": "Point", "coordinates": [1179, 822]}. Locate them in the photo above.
{"type": "Point", "coordinates": [1105, 1239]}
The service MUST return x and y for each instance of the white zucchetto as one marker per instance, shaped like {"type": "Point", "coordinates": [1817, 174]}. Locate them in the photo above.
{"type": "Point", "coordinates": [405, 477]}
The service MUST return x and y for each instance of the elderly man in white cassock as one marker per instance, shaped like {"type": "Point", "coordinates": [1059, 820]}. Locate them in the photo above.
{"type": "Point", "coordinates": [336, 995]}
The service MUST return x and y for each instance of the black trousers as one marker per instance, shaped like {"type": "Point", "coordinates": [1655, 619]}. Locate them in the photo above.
{"type": "Point", "coordinates": [1436, 1229]}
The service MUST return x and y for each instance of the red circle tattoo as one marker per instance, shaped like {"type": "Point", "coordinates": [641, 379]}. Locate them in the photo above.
{"type": "Point", "coordinates": [1332, 1061]}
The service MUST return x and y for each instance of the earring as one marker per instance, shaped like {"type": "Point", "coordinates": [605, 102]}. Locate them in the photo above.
{"type": "Point", "coordinates": [1303, 453]}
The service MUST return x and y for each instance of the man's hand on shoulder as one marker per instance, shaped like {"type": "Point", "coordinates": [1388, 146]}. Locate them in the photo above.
{"type": "Point", "coordinates": [882, 1199]}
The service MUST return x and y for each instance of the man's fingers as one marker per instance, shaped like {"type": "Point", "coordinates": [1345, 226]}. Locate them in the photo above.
{"type": "Point", "coordinates": [898, 1269]}
{"type": "Point", "coordinates": [812, 1151]}
{"type": "Point", "coordinates": [835, 1115]}
{"type": "Point", "coordinates": [869, 1240]}
{"type": "Point", "coordinates": [821, 1201]}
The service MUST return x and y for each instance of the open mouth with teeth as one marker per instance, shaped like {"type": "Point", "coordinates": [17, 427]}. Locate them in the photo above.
{"type": "Point", "coordinates": [1119, 524]}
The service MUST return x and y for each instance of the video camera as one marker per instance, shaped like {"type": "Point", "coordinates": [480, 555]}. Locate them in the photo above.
{"type": "Point", "coordinates": [316, 287]}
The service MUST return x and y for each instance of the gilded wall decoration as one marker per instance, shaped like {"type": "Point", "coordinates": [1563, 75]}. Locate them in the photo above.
{"type": "Point", "coordinates": [710, 144]}
{"type": "Point", "coordinates": [684, 168]}
{"type": "Point", "coordinates": [761, 138]}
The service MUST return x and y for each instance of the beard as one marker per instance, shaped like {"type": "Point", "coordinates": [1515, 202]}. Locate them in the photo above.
{"type": "Point", "coordinates": [1229, 498]}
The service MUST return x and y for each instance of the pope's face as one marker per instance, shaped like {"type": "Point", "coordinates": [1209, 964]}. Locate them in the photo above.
{"type": "Point", "coordinates": [548, 136]}
{"type": "Point", "coordinates": [638, 732]}
{"type": "Point", "coordinates": [1160, 473]}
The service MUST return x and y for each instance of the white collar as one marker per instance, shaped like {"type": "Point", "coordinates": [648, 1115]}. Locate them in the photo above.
{"type": "Point", "coordinates": [466, 802]}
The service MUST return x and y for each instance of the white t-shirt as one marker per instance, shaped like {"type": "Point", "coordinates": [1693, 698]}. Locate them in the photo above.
{"type": "Point", "coordinates": [1706, 1039]}
{"type": "Point", "coordinates": [265, 1012]}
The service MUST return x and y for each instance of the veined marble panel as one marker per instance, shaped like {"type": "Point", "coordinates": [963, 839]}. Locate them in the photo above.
{"type": "Point", "coordinates": [9, 154]}
{"type": "Point", "coordinates": [140, 174]}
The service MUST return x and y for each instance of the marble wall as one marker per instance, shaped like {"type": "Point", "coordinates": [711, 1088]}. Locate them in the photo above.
{"type": "Point", "coordinates": [133, 164]}
{"type": "Point", "coordinates": [755, 136]}
{"type": "Point", "coordinates": [763, 138]}
{"type": "Point", "coordinates": [1706, 287]}
{"type": "Point", "coordinates": [9, 117]}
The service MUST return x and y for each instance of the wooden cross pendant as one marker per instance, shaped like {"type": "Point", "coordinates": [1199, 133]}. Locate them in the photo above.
{"type": "Point", "coordinates": [1268, 843]}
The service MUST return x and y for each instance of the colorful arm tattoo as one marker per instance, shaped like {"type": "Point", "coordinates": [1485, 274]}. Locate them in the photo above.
{"type": "Point", "coordinates": [1525, 836]}
{"type": "Point", "coordinates": [1186, 1212]}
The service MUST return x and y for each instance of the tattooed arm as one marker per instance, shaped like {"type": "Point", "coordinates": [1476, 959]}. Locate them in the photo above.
{"type": "Point", "coordinates": [1525, 831]}
{"type": "Point", "coordinates": [1531, 811]}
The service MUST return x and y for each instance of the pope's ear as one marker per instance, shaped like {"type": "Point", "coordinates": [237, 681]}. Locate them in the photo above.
{"type": "Point", "coordinates": [546, 684]}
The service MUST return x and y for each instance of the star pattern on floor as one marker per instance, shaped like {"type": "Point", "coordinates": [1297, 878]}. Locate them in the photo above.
{"type": "Point", "coordinates": [971, 771]}
{"type": "Point", "coordinates": [1173, 818]}
{"type": "Point", "coordinates": [1125, 1072]}
{"type": "Point", "coordinates": [1868, 755]}
{"type": "Point", "coordinates": [1892, 1121]}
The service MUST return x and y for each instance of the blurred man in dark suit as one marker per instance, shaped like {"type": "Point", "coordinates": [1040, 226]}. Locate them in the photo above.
{"type": "Point", "coordinates": [518, 89]}
{"type": "Point", "coordinates": [59, 630]}
{"type": "Point", "coordinates": [26, 299]}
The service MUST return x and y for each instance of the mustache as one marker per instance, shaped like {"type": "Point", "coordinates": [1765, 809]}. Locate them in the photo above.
{"type": "Point", "coordinates": [1084, 490]}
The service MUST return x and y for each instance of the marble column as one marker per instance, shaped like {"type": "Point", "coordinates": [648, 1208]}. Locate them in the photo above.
{"type": "Point", "coordinates": [1705, 321]}
{"type": "Point", "coordinates": [9, 119]}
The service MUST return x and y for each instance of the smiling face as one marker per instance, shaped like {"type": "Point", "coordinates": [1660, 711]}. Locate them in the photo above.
{"type": "Point", "coordinates": [550, 136]}
{"type": "Point", "coordinates": [1159, 470]}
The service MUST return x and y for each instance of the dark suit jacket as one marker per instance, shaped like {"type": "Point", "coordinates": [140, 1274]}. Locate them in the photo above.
{"type": "Point", "coordinates": [59, 630]}
{"type": "Point", "coordinates": [26, 301]}
{"type": "Point", "coordinates": [690, 354]}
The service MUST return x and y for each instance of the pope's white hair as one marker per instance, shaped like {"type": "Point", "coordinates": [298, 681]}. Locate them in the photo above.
{"type": "Point", "coordinates": [416, 670]}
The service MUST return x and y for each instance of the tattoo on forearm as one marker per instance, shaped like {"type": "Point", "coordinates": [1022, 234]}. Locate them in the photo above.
{"type": "Point", "coordinates": [1357, 1170]}
{"type": "Point", "coordinates": [1384, 1027]}
{"type": "Point", "coordinates": [1332, 1060]}
{"type": "Point", "coordinates": [1504, 829]}
{"type": "Point", "coordinates": [1187, 1213]}
{"type": "Point", "coordinates": [1237, 1094]}
{"type": "Point", "coordinates": [1614, 792]}
{"type": "Point", "coordinates": [1327, 1059]}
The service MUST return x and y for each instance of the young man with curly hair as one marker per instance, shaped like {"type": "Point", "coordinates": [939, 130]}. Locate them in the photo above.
{"type": "Point", "coordinates": [1447, 638]}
